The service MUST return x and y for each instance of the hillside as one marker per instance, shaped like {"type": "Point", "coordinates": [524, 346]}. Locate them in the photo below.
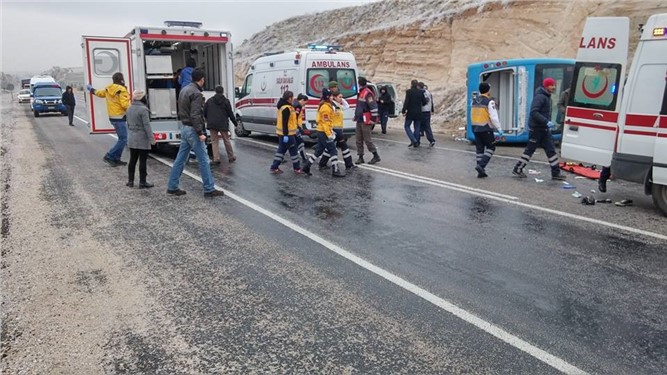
{"type": "Point", "coordinates": [435, 40]}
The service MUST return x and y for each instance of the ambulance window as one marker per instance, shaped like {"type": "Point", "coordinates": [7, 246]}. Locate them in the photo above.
{"type": "Point", "coordinates": [647, 94]}
{"type": "Point", "coordinates": [247, 85]}
{"type": "Point", "coordinates": [317, 80]}
{"type": "Point", "coordinates": [596, 85]}
{"type": "Point", "coordinates": [320, 78]}
{"type": "Point", "coordinates": [347, 82]}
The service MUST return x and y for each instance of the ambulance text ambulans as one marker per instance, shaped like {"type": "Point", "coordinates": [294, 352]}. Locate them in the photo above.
{"type": "Point", "coordinates": [148, 57]}
{"type": "Point", "coordinates": [611, 121]}
{"type": "Point", "coordinates": [302, 71]}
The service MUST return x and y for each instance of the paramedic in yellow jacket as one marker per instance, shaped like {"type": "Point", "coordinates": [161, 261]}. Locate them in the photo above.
{"type": "Point", "coordinates": [326, 137]}
{"type": "Point", "coordinates": [118, 101]}
{"type": "Point", "coordinates": [286, 128]}
{"type": "Point", "coordinates": [339, 105]}
{"type": "Point", "coordinates": [484, 120]}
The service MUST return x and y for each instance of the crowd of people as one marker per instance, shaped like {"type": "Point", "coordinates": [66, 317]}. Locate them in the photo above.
{"type": "Point", "coordinates": [130, 116]}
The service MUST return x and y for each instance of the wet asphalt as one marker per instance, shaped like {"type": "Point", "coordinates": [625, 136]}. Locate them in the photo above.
{"type": "Point", "coordinates": [250, 295]}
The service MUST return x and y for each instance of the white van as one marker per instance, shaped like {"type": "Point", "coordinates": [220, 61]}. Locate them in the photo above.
{"type": "Point", "coordinates": [303, 71]}
{"type": "Point", "coordinates": [613, 122]}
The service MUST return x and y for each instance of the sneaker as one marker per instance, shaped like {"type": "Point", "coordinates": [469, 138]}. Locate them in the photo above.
{"type": "Point", "coordinates": [109, 161]}
{"type": "Point", "coordinates": [299, 171]}
{"type": "Point", "coordinates": [481, 173]}
{"type": "Point", "coordinates": [276, 171]}
{"type": "Point", "coordinates": [214, 193]}
{"type": "Point", "coordinates": [559, 177]}
{"type": "Point", "coordinates": [145, 185]}
{"type": "Point", "coordinates": [432, 144]}
{"type": "Point", "coordinates": [176, 192]}
{"type": "Point", "coordinates": [411, 145]}
{"type": "Point", "coordinates": [518, 172]}
{"type": "Point", "coordinates": [120, 162]}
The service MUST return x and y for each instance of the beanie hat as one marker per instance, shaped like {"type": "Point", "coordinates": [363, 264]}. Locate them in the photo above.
{"type": "Point", "coordinates": [138, 95]}
{"type": "Point", "coordinates": [326, 94]}
{"type": "Point", "coordinates": [333, 84]}
{"type": "Point", "coordinates": [484, 88]}
{"type": "Point", "coordinates": [548, 82]}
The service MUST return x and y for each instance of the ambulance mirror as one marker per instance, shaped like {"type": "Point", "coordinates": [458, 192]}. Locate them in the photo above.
{"type": "Point", "coordinates": [237, 92]}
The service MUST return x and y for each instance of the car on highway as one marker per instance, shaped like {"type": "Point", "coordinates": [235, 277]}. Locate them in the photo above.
{"type": "Point", "coordinates": [24, 96]}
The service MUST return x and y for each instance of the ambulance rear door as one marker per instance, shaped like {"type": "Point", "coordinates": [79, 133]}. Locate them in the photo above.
{"type": "Point", "coordinates": [591, 119]}
{"type": "Point", "coordinates": [102, 57]}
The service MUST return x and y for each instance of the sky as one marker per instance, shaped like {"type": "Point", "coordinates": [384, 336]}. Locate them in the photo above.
{"type": "Point", "coordinates": [37, 35]}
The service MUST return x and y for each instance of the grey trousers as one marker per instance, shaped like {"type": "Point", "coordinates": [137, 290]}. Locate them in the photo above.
{"type": "Point", "coordinates": [363, 135]}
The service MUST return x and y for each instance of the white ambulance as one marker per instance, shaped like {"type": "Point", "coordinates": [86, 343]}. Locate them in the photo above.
{"type": "Point", "coordinates": [613, 122]}
{"type": "Point", "coordinates": [149, 57]}
{"type": "Point", "coordinates": [303, 71]}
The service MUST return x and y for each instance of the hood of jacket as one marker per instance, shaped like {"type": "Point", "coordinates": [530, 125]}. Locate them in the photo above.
{"type": "Point", "coordinates": [219, 98]}
{"type": "Point", "coordinates": [282, 102]}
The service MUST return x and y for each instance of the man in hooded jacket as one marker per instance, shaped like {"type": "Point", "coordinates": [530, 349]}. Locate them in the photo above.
{"type": "Point", "coordinates": [218, 112]}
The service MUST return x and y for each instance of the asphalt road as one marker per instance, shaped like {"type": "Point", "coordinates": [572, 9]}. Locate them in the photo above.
{"type": "Point", "coordinates": [411, 266]}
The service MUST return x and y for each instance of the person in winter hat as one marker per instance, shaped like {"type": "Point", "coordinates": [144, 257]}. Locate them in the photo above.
{"type": "Point", "coordinates": [539, 134]}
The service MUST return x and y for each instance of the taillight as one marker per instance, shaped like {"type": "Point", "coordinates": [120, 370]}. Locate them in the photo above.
{"type": "Point", "coordinates": [159, 136]}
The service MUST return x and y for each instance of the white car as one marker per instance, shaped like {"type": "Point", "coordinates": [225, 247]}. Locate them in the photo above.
{"type": "Point", "coordinates": [24, 96]}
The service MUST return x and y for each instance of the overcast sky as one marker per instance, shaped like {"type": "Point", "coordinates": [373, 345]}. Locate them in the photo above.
{"type": "Point", "coordinates": [37, 35]}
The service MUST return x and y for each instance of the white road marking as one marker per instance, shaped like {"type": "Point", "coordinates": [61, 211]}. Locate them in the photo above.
{"type": "Point", "coordinates": [80, 119]}
{"type": "Point", "coordinates": [443, 304]}
{"type": "Point", "coordinates": [457, 150]}
{"type": "Point", "coordinates": [497, 196]}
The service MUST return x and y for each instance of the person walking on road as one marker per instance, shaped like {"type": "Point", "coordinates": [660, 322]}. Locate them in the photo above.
{"type": "Point", "coordinates": [299, 105]}
{"type": "Point", "coordinates": [412, 109]}
{"type": "Point", "coordinates": [427, 110]}
{"type": "Point", "coordinates": [339, 106]}
{"type": "Point", "coordinates": [218, 112]}
{"type": "Point", "coordinates": [140, 139]}
{"type": "Point", "coordinates": [365, 115]}
{"type": "Point", "coordinates": [385, 106]}
{"type": "Point", "coordinates": [286, 128]}
{"type": "Point", "coordinates": [484, 120]}
{"type": "Point", "coordinates": [326, 138]}
{"type": "Point", "coordinates": [69, 102]}
{"type": "Point", "coordinates": [118, 101]}
{"type": "Point", "coordinates": [539, 134]}
{"type": "Point", "coordinates": [193, 136]}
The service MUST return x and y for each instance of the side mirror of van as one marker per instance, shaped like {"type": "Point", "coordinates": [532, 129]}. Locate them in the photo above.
{"type": "Point", "coordinates": [237, 92]}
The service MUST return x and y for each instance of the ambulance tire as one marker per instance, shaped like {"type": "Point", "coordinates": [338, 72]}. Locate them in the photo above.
{"type": "Point", "coordinates": [659, 193]}
{"type": "Point", "coordinates": [240, 130]}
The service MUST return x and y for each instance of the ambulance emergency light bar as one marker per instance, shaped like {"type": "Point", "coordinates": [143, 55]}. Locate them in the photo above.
{"type": "Point", "coordinates": [196, 25]}
{"type": "Point", "coordinates": [660, 31]}
{"type": "Point", "coordinates": [325, 47]}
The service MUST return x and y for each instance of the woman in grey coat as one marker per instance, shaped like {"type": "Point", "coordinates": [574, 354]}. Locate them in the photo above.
{"type": "Point", "coordinates": [140, 138]}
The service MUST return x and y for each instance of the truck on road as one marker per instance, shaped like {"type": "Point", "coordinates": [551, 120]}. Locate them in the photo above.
{"type": "Point", "coordinates": [149, 58]}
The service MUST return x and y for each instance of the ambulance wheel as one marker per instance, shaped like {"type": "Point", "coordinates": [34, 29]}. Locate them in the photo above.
{"type": "Point", "coordinates": [659, 193]}
{"type": "Point", "coordinates": [35, 113]}
{"type": "Point", "coordinates": [240, 130]}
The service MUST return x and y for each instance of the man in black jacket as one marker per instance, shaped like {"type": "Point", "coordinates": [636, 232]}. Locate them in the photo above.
{"type": "Point", "coordinates": [70, 103]}
{"type": "Point", "coordinates": [412, 109]}
{"type": "Point", "coordinates": [540, 126]}
{"type": "Point", "coordinates": [218, 111]}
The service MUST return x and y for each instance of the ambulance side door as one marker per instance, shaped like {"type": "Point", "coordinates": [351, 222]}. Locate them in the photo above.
{"type": "Point", "coordinates": [591, 119]}
{"type": "Point", "coordinates": [102, 57]}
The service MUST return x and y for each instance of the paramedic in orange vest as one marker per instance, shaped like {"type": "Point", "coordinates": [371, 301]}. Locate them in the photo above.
{"type": "Point", "coordinates": [286, 128]}
{"type": "Point", "coordinates": [484, 120]}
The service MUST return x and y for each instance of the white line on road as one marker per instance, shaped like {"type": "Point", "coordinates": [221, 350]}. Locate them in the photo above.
{"type": "Point", "coordinates": [497, 196]}
{"type": "Point", "coordinates": [443, 304]}
{"type": "Point", "coordinates": [80, 119]}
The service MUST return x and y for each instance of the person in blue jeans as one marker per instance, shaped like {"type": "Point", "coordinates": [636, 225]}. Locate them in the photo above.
{"type": "Point", "coordinates": [412, 109]}
{"type": "Point", "coordinates": [193, 137]}
{"type": "Point", "coordinates": [118, 101]}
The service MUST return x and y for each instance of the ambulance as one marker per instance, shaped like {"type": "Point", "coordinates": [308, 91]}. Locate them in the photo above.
{"type": "Point", "coordinates": [149, 58]}
{"type": "Point", "coordinates": [303, 71]}
{"type": "Point", "coordinates": [611, 121]}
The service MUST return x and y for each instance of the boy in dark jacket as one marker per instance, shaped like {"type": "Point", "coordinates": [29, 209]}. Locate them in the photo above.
{"type": "Point", "coordinates": [539, 134]}
{"type": "Point", "coordinates": [218, 112]}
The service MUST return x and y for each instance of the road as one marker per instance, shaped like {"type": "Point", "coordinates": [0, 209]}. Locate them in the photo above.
{"type": "Point", "coordinates": [410, 266]}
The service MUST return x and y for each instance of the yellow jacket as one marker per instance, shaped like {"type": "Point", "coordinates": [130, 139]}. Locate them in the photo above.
{"type": "Point", "coordinates": [338, 118]}
{"type": "Point", "coordinates": [118, 100]}
{"type": "Point", "coordinates": [325, 118]}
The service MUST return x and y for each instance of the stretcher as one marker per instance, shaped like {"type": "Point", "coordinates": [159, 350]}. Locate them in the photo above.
{"type": "Point", "coordinates": [590, 172]}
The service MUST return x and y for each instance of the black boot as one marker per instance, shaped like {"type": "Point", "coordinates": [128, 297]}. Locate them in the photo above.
{"type": "Point", "coordinates": [130, 184]}
{"type": "Point", "coordinates": [306, 166]}
{"type": "Point", "coordinates": [336, 171]}
{"type": "Point", "coordinates": [376, 158]}
{"type": "Point", "coordinates": [360, 160]}
{"type": "Point", "coordinates": [145, 185]}
{"type": "Point", "coordinates": [323, 161]}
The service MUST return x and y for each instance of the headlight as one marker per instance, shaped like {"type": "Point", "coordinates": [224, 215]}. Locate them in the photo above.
{"type": "Point", "coordinates": [39, 101]}
{"type": "Point", "coordinates": [58, 101]}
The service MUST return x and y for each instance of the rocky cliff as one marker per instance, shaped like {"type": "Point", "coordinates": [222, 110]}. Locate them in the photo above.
{"type": "Point", "coordinates": [435, 40]}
